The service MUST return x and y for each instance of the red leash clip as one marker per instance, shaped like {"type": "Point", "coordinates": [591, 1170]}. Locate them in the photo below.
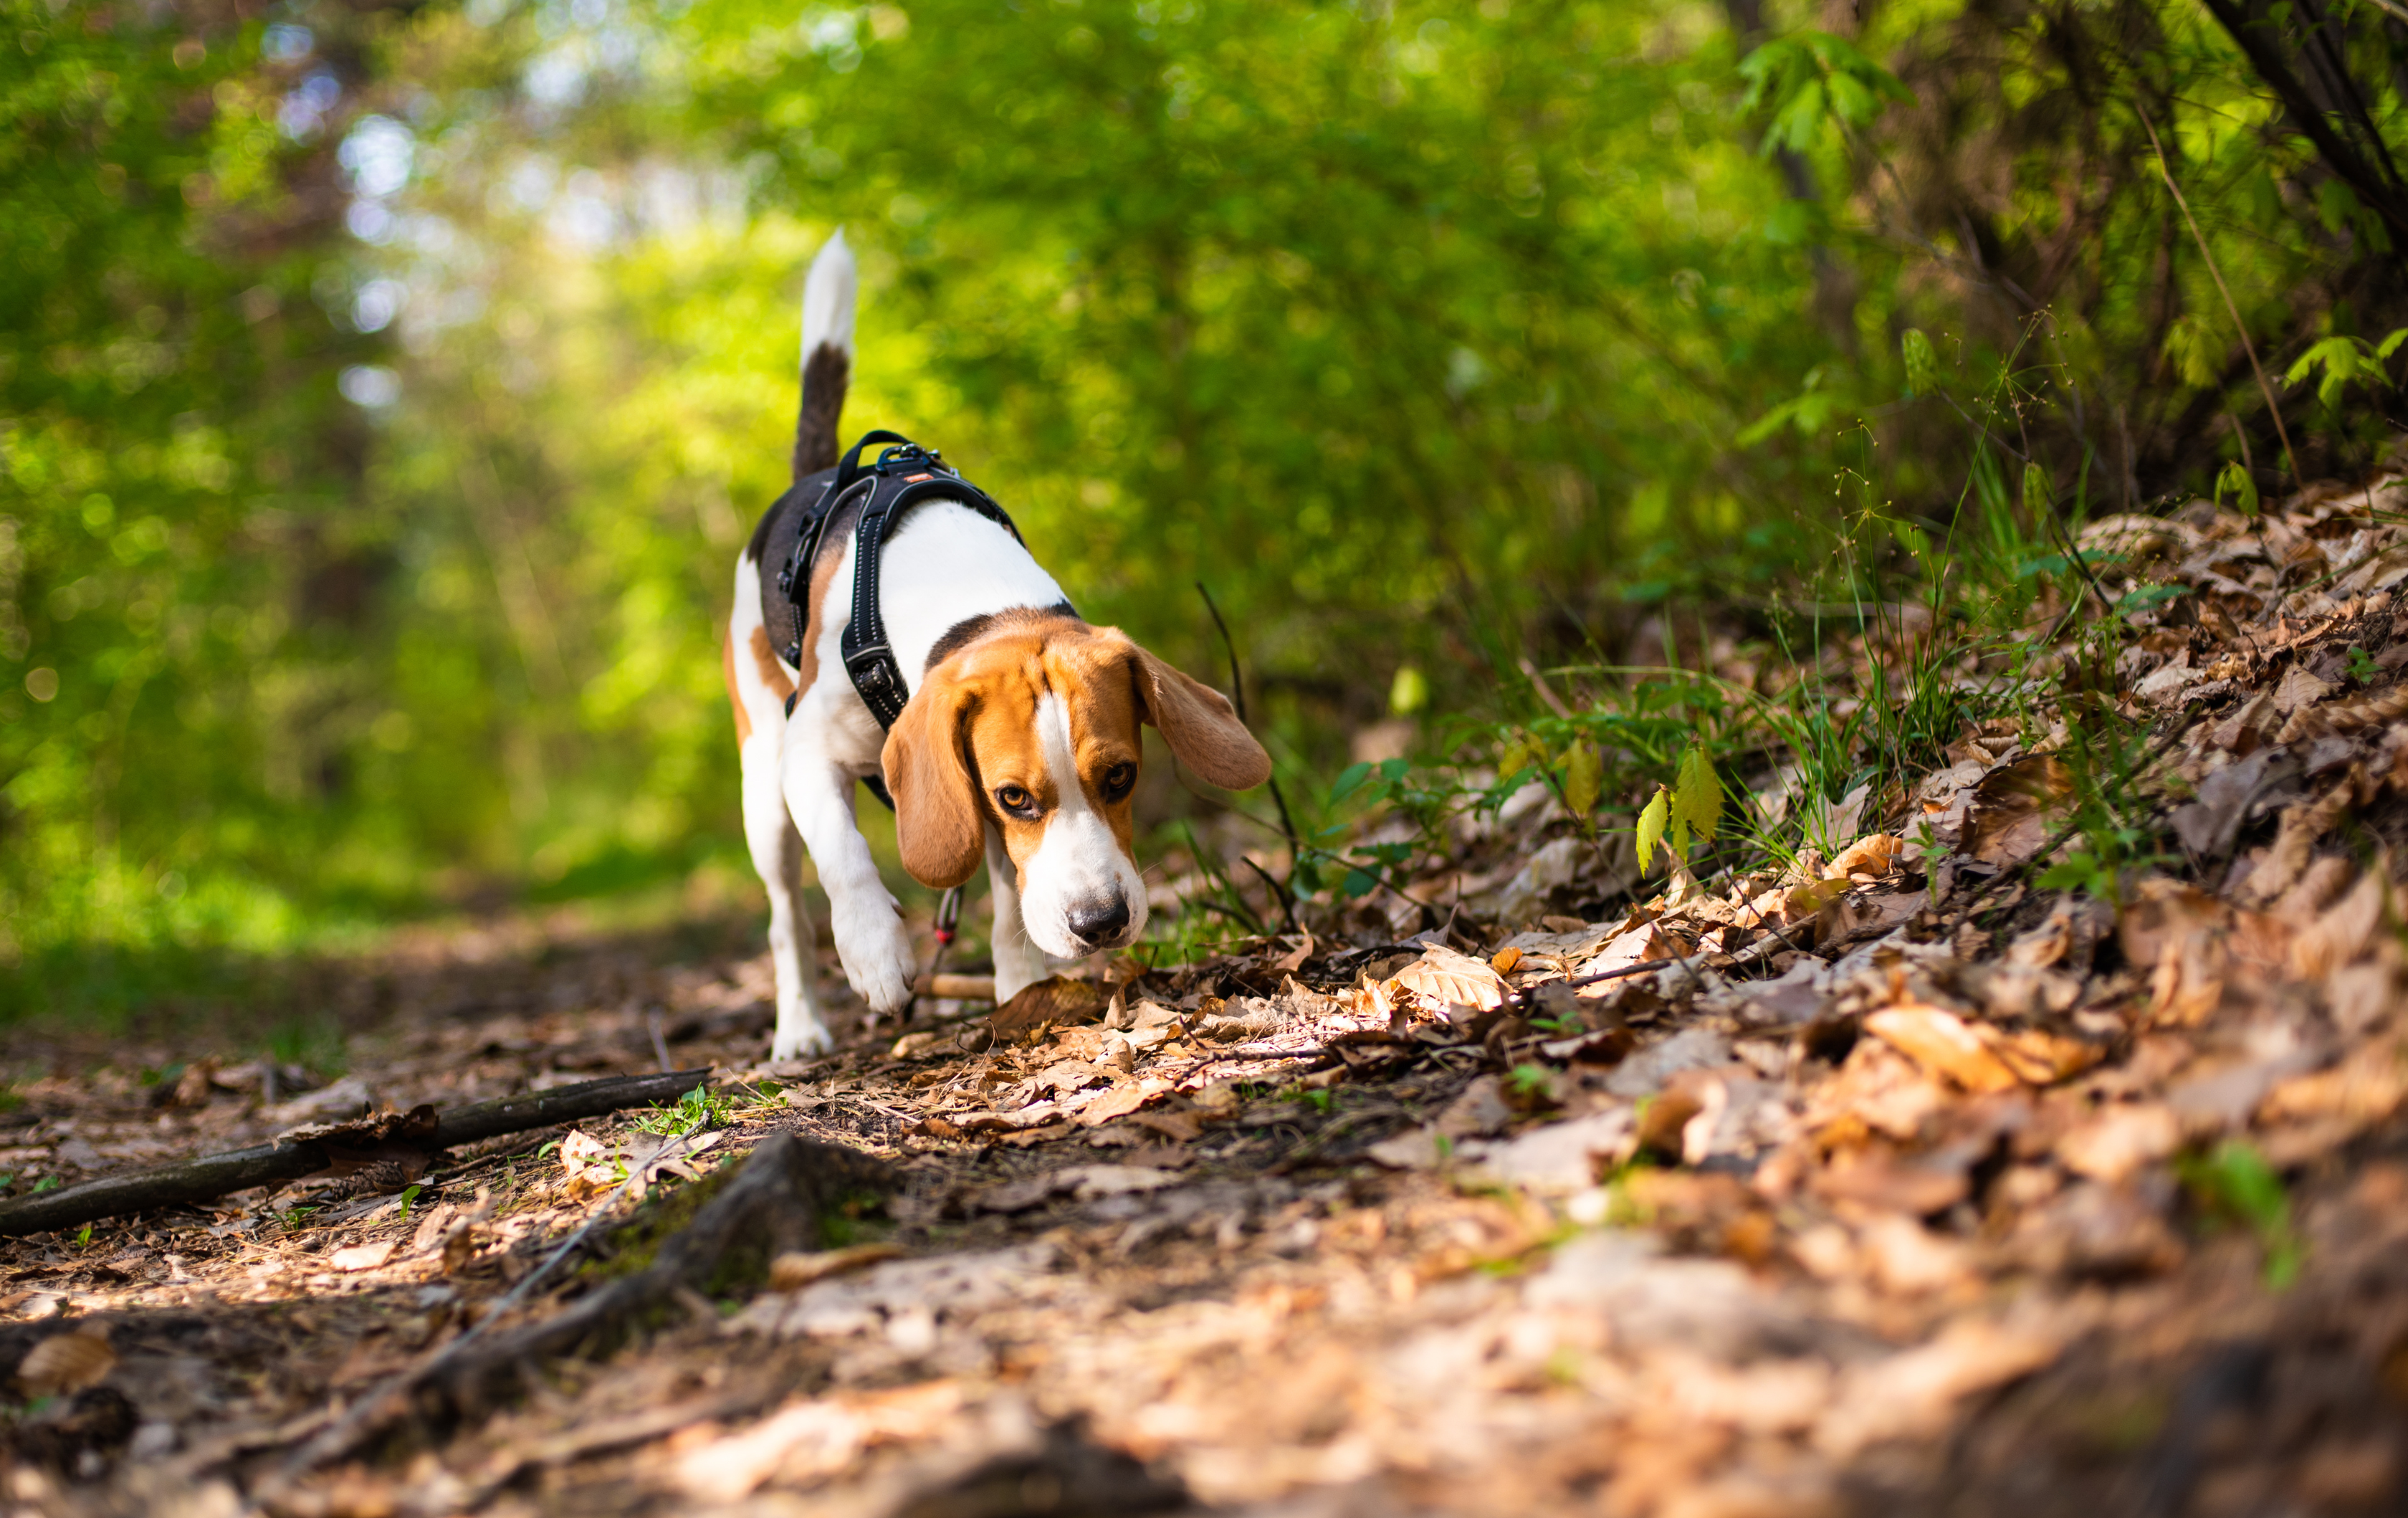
{"type": "Point", "coordinates": [948, 916]}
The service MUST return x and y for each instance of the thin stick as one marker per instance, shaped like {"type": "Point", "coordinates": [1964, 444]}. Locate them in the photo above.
{"type": "Point", "coordinates": [211, 1176]}
{"type": "Point", "coordinates": [2264, 388]}
{"type": "Point", "coordinates": [1238, 695]}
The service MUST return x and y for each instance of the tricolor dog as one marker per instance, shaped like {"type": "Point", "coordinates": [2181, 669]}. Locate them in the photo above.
{"type": "Point", "coordinates": [890, 626]}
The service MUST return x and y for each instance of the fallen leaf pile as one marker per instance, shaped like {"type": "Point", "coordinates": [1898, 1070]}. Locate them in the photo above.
{"type": "Point", "coordinates": [1890, 1182]}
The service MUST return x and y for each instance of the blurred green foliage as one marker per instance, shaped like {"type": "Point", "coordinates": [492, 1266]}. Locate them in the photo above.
{"type": "Point", "coordinates": [385, 393]}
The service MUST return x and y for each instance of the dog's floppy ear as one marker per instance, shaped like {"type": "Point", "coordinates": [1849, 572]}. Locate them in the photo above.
{"type": "Point", "coordinates": [938, 827]}
{"type": "Point", "coordinates": [1198, 724]}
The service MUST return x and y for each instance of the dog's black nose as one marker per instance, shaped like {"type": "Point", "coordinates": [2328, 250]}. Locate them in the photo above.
{"type": "Point", "coordinates": [1095, 924]}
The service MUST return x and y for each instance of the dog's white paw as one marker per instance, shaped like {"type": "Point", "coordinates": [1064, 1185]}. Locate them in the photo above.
{"type": "Point", "coordinates": [877, 954]}
{"type": "Point", "coordinates": [799, 1037]}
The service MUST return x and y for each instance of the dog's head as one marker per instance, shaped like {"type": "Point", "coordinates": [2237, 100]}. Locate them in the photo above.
{"type": "Point", "coordinates": [1033, 730]}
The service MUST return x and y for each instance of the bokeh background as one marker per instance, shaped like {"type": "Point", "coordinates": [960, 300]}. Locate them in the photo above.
{"type": "Point", "coordinates": [385, 389]}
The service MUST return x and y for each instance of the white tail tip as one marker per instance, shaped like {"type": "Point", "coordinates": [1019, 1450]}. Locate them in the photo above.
{"type": "Point", "coordinates": [827, 298]}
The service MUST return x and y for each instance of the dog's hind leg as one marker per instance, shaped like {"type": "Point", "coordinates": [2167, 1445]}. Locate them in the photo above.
{"type": "Point", "coordinates": [778, 853]}
{"type": "Point", "coordinates": [1018, 963]}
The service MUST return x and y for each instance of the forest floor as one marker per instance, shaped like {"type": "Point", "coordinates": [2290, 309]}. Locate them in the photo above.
{"type": "Point", "coordinates": [1900, 1183]}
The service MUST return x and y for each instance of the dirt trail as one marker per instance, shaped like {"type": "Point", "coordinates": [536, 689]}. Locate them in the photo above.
{"type": "Point", "coordinates": [1898, 1183]}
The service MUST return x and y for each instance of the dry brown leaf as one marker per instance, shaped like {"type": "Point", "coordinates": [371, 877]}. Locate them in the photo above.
{"type": "Point", "coordinates": [1443, 976]}
{"type": "Point", "coordinates": [2187, 982]}
{"type": "Point", "coordinates": [2366, 1088]}
{"type": "Point", "coordinates": [2371, 709]}
{"type": "Point", "coordinates": [2299, 691]}
{"type": "Point", "coordinates": [2346, 931]}
{"type": "Point", "coordinates": [1911, 1392]}
{"type": "Point", "coordinates": [1121, 1101]}
{"type": "Point", "coordinates": [793, 1272]}
{"type": "Point", "coordinates": [1292, 961]}
{"type": "Point", "coordinates": [1878, 1090]}
{"type": "Point", "coordinates": [1940, 1041]}
{"type": "Point", "coordinates": [1057, 1000]}
{"type": "Point", "coordinates": [363, 1256]}
{"type": "Point", "coordinates": [1804, 901]}
{"type": "Point", "coordinates": [1871, 854]}
{"type": "Point", "coordinates": [2302, 827]}
{"type": "Point", "coordinates": [1877, 1179]}
{"type": "Point", "coordinates": [2119, 1141]}
{"type": "Point", "coordinates": [2039, 1057]}
{"type": "Point", "coordinates": [1183, 1127]}
{"type": "Point", "coordinates": [2012, 807]}
{"type": "Point", "coordinates": [2162, 912]}
{"type": "Point", "coordinates": [67, 1362]}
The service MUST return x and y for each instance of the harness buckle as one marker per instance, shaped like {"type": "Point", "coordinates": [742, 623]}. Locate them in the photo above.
{"type": "Point", "coordinates": [873, 668]}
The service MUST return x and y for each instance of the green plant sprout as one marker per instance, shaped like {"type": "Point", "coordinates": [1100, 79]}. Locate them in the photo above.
{"type": "Point", "coordinates": [697, 1110]}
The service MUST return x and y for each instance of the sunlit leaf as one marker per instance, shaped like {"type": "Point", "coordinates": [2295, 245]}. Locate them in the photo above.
{"type": "Point", "coordinates": [1584, 773]}
{"type": "Point", "coordinates": [1651, 826]}
{"type": "Point", "coordinates": [1696, 797]}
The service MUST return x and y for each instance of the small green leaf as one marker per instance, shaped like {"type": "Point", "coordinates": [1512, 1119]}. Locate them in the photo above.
{"type": "Point", "coordinates": [1922, 364]}
{"type": "Point", "coordinates": [1698, 795]}
{"type": "Point", "coordinates": [1651, 827]}
{"type": "Point", "coordinates": [2245, 490]}
{"type": "Point", "coordinates": [1349, 781]}
{"type": "Point", "coordinates": [1584, 775]}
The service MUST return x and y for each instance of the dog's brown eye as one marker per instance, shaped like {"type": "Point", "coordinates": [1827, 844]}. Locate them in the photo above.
{"type": "Point", "coordinates": [1118, 780]}
{"type": "Point", "coordinates": [1012, 798]}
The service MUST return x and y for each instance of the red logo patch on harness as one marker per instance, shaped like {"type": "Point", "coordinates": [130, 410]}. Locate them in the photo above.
{"type": "Point", "coordinates": [913, 479]}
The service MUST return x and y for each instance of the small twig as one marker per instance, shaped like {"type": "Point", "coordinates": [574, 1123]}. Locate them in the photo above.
{"type": "Point", "coordinates": [1286, 903]}
{"type": "Point", "coordinates": [1238, 696]}
{"type": "Point", "coordinates": [1546, 693]}
{"type": "Point", "coordinates": [660, 1041]}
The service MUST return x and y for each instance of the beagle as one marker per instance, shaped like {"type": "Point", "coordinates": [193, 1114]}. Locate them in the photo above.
{"type": "Point", "coordinates": [1019, 744]}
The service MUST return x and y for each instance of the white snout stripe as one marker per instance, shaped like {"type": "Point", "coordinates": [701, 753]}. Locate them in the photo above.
{"type": "Point", "coordinates": [1078, 863]}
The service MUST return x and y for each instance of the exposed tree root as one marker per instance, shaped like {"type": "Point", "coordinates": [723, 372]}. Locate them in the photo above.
{"type": "Point", "coordinates": [773, 1205]}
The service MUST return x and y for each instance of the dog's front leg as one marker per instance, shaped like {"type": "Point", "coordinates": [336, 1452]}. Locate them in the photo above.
{"type": "Point", "coordinates": [1018, 963]}
{"type": "Point", "coordinates": [778, 855]}
{"type": "Point", "coordinates": [863, 917]}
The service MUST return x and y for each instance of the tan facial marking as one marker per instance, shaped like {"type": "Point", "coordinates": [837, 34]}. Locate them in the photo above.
{"type": "Point", "coordinates": [1013, 675]}
{"type": "Point", "coordinates": [1033, 730]}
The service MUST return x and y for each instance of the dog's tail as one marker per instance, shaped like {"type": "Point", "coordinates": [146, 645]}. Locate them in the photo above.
{"type": "Point", "coordinates": [827, 356]}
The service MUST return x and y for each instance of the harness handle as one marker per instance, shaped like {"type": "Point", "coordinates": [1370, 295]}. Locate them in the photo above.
{"type": "Point", "coordinates": [849, 468]}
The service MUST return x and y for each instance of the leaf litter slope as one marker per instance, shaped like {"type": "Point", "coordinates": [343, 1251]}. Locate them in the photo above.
{"type": "Point", "coordinates": [2039, 1145]}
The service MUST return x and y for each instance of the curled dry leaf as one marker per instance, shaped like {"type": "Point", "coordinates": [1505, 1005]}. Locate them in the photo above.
{"type": "Point", "coordinates": [66, 1363]}
{"type": "Point", "coordinates": [362, 1256]}
{"type": "Point", "coordinates": [1443, 976]}
{"type": "Point", "coordinates": [1940, 1041]}
{"type": "Point", "coordinates": [1872, 854]}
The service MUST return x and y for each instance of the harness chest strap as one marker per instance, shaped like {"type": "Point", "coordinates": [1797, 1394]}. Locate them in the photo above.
{"type": "Point", "coordinates": [904, 475]}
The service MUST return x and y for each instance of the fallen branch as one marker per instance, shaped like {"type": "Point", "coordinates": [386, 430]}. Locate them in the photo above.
{"type": "Point", "coordinates": [309, 1151]}
{"type": "Point", "coordinates": [772, 1207]}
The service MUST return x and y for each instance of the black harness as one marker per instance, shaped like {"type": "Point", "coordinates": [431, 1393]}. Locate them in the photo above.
{"type": "Point", "coordinates": [904, 475]}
